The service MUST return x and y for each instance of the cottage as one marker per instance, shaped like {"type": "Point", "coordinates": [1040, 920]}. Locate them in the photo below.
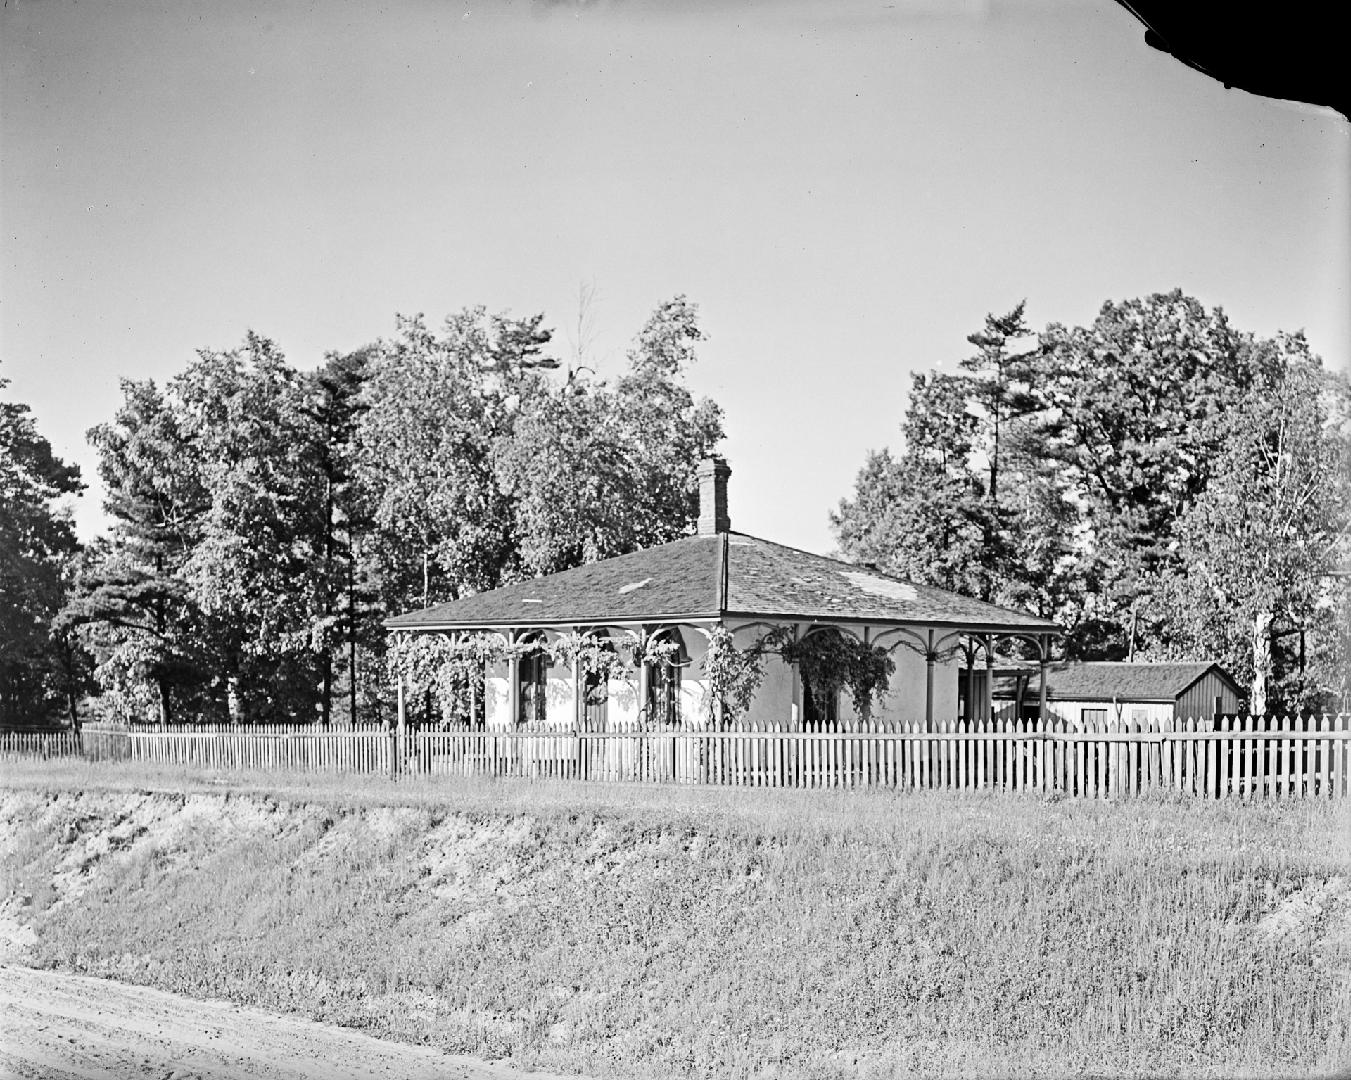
{"type": "Point", "coordinates": [1088, 694]}
{"type": "Point", "coordinates": [677, 596]}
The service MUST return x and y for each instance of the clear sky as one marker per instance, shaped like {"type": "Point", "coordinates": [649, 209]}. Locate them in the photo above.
{"type": "Point", "coordinates": [845, 188]}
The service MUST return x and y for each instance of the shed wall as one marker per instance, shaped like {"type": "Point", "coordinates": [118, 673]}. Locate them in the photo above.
{"type": "Point", "coordinates": [1199, 700]}
{"type": "Point", "coordinates": [1070, 714]}
{"type": "Point", "coordinates": [497, 697]}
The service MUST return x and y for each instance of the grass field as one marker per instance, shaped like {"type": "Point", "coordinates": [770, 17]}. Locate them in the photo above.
{"type": "Point", "coordinates": [654, 932]}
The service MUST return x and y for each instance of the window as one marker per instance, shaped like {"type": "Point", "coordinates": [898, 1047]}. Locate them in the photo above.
{"type": "Point", "coordinates": [1093, 719]}
{"type": "Point", "coordinates": [534, 683]}
{"type": "Point", "coordinates": [595, 699]}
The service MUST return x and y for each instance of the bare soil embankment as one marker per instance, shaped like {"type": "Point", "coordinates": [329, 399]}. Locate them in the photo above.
{"type": "Point", "coordinates": [640, 934]}
{"type": "Point", "coordinates": [58, 1025]}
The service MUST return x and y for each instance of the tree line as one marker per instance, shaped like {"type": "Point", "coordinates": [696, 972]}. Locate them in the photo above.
{"type": "Point", "coordinates": [1161, 483]}
{"type": "Point", "coordinates": [264, 520]}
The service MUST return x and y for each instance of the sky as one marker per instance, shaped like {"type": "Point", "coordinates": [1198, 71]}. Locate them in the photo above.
{"type": "Point", "coordinates": [844, 188]}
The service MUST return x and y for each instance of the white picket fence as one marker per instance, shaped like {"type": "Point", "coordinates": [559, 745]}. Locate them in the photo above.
{"type": "Point", "coordinates": [1248, 756]}
{"type": "Point", "coordinates": [291, 747]}
{"type": "Point", "coordinates": [39, 744]}
{"type": "Point", "coordinates": [1243, 757]}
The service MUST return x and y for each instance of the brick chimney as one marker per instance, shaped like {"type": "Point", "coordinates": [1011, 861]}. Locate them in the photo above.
{"type": "Point", "coordinates": [713, 519]}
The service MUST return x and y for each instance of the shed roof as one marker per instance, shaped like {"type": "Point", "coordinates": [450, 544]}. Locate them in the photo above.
{"type": "Point", "coordinates": [1105, 680]}
{"type": "Point", "coordinates": [715, 576]}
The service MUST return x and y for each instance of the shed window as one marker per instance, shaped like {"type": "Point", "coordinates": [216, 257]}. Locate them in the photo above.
{"type": "Point", "coordinates": [1093, 719]}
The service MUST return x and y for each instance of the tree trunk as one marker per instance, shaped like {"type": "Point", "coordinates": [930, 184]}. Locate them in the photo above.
{"type": "Point", "coordinates": [232, 703]}
{"type": "Point", "coordinates": [1261, 663]}
{"type": "Point", "coordinates": [351, 635]}
{"type": "Point", "coordinates": [163, 686]}
{"type": "Point", "coordinates": [70, 663]}
{"type": "Point", "coordinates": [326, 689]}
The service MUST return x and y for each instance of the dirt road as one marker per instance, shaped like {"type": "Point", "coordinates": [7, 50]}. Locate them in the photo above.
{"type": "Point", "coordinates": [62, 1027]}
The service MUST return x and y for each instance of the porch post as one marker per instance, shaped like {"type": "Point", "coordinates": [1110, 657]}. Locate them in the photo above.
{"type": "Point", "coordinates": [1044, 644]}
{"type": "Point", "coordinates": [1046, 780]}
{"type": "Point", "coordinates": [930, 657]}
{"type": "Point", "coordinates": [969, 712]}
{"type": "Point", "coordinates": [644, 677]}
{"type": "Point", "coordinates": [400, 730]}
{"type": "Point", "coordinates": [987, 698]}
{"type": "Point", "coordinates": [513, 685]}
{"type": "Point", "coordinates": [578, 702]}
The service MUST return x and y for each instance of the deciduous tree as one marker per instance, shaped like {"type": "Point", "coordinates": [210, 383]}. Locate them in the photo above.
{"type": "Point", "coordinates": [594, 470]}
{"type": "Point", "coordinates": [1128, 406]}
{"type": "Point", "coordinates": [434, 405]}
{"type": "Point", "coordinates": [1258, 547]}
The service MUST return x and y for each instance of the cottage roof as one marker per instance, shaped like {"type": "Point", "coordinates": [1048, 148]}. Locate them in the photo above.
{"type": "Point", "coordinates": [715, 576]}
{"type": "Point", "coordinates": [1103, 680]}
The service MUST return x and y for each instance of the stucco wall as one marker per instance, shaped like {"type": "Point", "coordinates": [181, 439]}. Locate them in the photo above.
{"type": "Point", "coordinates": [904, 700]}
{"type": "Point", "coordinates": [777, 701]}
{"type": "Point", "coordinates": [558, 700]}
{"type": "Point", "coordinates": [497, 697]}
{"type": "Point", "coordinates": [623, 706]}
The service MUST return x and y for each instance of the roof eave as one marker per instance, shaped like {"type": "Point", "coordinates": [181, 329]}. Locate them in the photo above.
{"type": "Point", "coordinates": [974, 626]}
{"type": "Point", "coordinates": [547, 624]}
{"type": "Point", "coordinates": [398, 623]}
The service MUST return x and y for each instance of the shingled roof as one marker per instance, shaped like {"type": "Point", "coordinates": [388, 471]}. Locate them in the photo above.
{"type": "Point", "coordinates": [1103, 680]}
{"type": "Point", "coordinates": [707, 577]}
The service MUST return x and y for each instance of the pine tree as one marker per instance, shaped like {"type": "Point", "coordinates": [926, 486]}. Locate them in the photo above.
{"type": "Point", "coordinates": [37, 545]}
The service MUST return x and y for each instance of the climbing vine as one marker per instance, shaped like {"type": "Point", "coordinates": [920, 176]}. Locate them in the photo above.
{"type": "Point", "coordinates": [829, 661]}
{"type": "Point", "coordinates": [597, 656]}
{"type": "Point", "coordinates": [661, 652]}
{"type": "Point", "coordinates": [733, 675]}
{"type": "Point", "coordinates": [442, 665]}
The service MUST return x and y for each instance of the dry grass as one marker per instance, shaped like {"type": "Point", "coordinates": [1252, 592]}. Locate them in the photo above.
{"type": "Point", "coordinates": [674, 932]}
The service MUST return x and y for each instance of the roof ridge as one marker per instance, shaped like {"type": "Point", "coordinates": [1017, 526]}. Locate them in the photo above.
{"type": "Point", "coordinates": [1143, 663]}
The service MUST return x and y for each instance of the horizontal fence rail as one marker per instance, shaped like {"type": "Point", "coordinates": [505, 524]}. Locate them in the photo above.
{"type": "Point", "coordinates": [1233, 757]}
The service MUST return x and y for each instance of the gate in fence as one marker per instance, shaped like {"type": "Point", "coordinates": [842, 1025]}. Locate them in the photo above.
{"type": "Point", "coordinates": [1247, 757]}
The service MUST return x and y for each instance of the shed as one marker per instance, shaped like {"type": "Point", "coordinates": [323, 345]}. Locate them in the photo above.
{"type": "Point", "coordinates": [1091, 692]}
